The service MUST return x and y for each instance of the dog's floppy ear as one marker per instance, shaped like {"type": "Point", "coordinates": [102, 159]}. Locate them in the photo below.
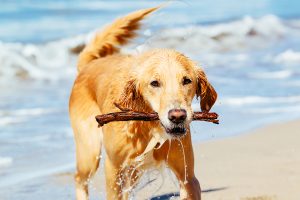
{"type": "Point", "coordinates": [131, 97]}
{"type": "Point", "coordinates": [206, 91]}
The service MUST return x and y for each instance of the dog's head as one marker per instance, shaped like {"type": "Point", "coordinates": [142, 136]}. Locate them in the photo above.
{"type": "Point", "coordinates": [166, 82]}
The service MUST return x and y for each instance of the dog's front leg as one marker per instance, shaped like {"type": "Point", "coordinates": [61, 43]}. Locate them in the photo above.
{"type": "Point", "coordinates": [181, 162]}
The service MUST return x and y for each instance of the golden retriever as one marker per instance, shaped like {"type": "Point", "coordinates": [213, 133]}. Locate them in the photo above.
{"type": "Point", "coordinates": [160, 80]}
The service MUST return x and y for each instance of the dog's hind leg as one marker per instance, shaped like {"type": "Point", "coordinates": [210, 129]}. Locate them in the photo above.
{"type": "Point", "coordinates": [88, 138]}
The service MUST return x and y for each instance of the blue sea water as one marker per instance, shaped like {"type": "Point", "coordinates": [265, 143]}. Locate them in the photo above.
{"type": "Point", "coordinates": [250, 51]}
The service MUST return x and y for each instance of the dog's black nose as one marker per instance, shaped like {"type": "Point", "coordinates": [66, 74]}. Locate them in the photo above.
{"type": "Point", "coordinates": [177, 116]}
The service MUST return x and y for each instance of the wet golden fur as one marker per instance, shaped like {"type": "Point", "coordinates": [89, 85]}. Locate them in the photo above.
{"type": "Point", "coordinates": [107, 77]}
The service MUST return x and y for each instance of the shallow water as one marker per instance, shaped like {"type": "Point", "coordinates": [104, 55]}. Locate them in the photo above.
{"type": "Point", "coordinates": [250, 51]}
{"type": "Point", "coordinates": [35, 130]}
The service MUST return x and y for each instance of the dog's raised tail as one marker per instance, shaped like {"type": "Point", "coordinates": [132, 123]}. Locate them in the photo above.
{"type": "Point", "coordinates": [108, 41]}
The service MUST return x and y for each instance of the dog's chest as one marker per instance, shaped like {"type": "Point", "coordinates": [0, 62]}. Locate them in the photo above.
{"type": "Point", "coordinates": [146, 159]}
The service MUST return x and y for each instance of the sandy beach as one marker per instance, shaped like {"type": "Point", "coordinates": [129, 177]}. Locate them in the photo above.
{"type": "Point", "coordinates": [263, 164]}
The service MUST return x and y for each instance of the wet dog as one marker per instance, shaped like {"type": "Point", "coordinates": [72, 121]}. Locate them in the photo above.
{"type": "Point", "coordinates": [159, 80]}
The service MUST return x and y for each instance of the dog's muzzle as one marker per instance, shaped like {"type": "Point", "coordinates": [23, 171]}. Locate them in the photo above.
{"type": "Point", "coordinates": [177, 118]}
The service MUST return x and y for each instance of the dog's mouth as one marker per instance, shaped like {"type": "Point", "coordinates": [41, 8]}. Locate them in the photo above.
{"type": "Point", "coordinates": [177, 130]}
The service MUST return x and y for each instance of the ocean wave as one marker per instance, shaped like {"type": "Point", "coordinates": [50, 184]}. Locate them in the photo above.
{"type": "Point", "coordinates": [288, 57]}
{"type": "Point", "coordinates": [51, 61]}
{"type": "Point", "coordinates": [276, 110]}
{"type": "Point", "coordinates": [11, 120]}
{"type": "Point", "coordinates": [243, 34]}
{"type": "Point", "coordinates": [5, 161]}
{"type": "Point", "coordinates": [57, 60]}
{"type": "Point", "coordinates": [280, 74]}
{"type": "Point", "coordinates": [247, 100]}
{"type": "Point", "coordinates": [21, 115]}
{"type": "Point", "coordinates": [29, 111]}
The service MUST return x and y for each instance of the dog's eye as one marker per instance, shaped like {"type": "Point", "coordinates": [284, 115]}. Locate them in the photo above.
{"type": "Point", "coordinates": [155, 84]}
{"type": "Point", "coordinates": [186, 81]}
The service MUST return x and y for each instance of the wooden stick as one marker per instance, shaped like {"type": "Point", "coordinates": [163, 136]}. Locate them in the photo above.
{"type": "Point", "coordinates": [127, 115]}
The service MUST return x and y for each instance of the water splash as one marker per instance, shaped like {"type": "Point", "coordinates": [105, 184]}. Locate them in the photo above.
{"type": "Point", "coordinates": [184, 161]}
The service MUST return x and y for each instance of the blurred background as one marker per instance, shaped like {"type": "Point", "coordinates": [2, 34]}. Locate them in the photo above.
{"type": "Point", "coordinates": [250, 51]}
